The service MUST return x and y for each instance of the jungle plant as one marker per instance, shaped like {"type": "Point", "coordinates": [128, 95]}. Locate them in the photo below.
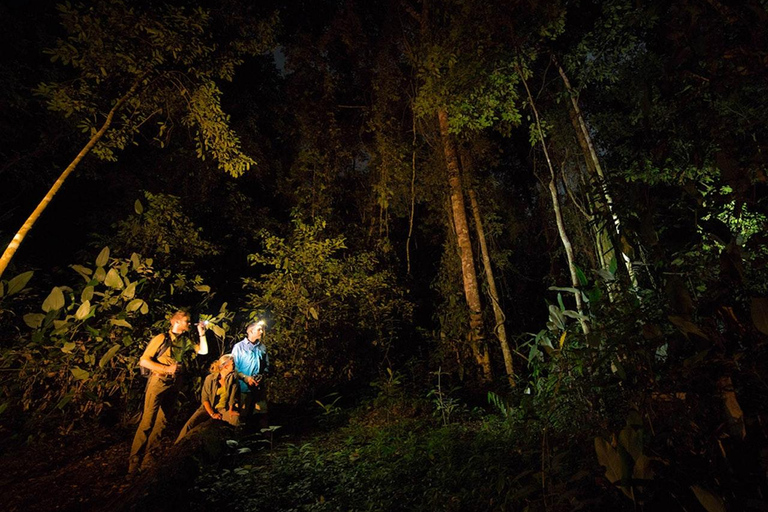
{"type": "Point", "coordinates": [81, 354]}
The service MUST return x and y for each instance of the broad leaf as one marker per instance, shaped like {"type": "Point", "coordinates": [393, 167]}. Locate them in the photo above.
{"type": "Point", "coordinates": [68, 347]}
{"type": "Point", "coordinates": [79, 373]}
{"type": "Point", "coordinates": [130, 291]}
{"type": "Point", "coordinates": [18, 283]}
{"type": "Point", "coordinates": [87, 293]}
{"type": "Point", "coordinates": [686, 326]}
{"type": "Point", "coordinates": [580, 275]}
{"type": "Point", "coordinates": [54, 301]}
{"type": "Point", "coordinates": [103, 258]}
{"type": "Point", "coordinates": [65, 400]}
{"type": "Point", "coordinates": [83, 310]}
{"type": "Point", "coordinates": [83, 271]}
{"type": "Point", "coordinates": [109, 355]}
{"type": "Point", "coordinates": [313, 312]}
{"type": "Point", "coordinates": [218, 331]}
{"type": "Point", "coordinates": [134, 305]}
{"type": "Point", "coordinates": [144, 309]}
{"type": "Point", "coordinates": [203, 288]}
{"type": "Point", "coordinates": [120, 323]}
{"type": "Point", "coordinates": [708, 500]}
{"type": "Point", "coordinates": [113, 280]}
{"type": "Point", "coordinates": [100, 274]}
{"type": "Point", "coordinates": [34, 320]}
{"type": "Point", "coordinates": [138, 207]}
{"type": "Point", "coordinates": [135, 261]}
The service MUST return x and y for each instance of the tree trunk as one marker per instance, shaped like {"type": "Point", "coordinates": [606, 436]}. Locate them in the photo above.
{"type": "Point", "coordinates": [469, 277]}
{"type": "Point", "coordinates": [5, 259]}
{"type": "Point", "coordinates": [593, 163]}
{"type": "Point", "coordinates": [558, 214]}
{"type": "Point", "coordinates": [499, 330]}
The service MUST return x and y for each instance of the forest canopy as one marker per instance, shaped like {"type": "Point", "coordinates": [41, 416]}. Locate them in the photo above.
{"type": "Point", "coordinates": [557, 208]}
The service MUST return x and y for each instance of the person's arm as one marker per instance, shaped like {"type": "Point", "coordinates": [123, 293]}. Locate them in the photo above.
{"type": "Point", "coordinates": [147, 358]}
{"type": "Point", "coordinates": [209, 409]}
{"type": "Point", "coordinates": [202, 347]}
{"type": "Point", "coordinates": [233, 394]}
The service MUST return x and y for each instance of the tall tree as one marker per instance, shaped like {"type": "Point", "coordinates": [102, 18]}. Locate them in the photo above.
{"type": "Point", "coordinates": [141, 64]}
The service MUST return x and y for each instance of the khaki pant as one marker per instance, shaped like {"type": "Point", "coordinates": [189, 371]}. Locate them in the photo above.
{"type": "Point", "coordinates": [201, 416]}
{"type": "Point", "coordinates": [159, 404]}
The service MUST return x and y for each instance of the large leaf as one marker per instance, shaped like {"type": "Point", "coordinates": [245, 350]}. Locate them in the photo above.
{"type": "Point", "coordinates": [83, 271]}
{"type": "Point", "coordinates": [759, 310]}
{"type": "Point", "coordinates": [54, 301]}
{"type": "Point", "coordinates": [103, 258]}
{"type": "Point", "coordinates": [34, 320]}
{"type": "Point", "coordinates": [109, 355]}
{"type": "Point", "coordinates": [79, 373]}
{"type": "Point", "coordinates": [65, 400]}
{"type": "Point", "coordinates": [83, 310]}
{"type": "Point", "coordinates": [130, 291]}
{"type": "Point", "coordinates": [87, 293]}
{"type": "Point", "coordinates": [120, 323]}
{"type": "Point", "coordinates": [100, 274]}
{"type": "Point", "coordinates": [686, 326]}
{"type": "Point", "coordinates": [708, 500]}
{"type": "Point", "coordinates": [138, 207]}
{"type": "Point", "coordinates": [218, 331]}
{"type": "Point", "coordinates": [580, 276]}
{"type": "Point", "coordinates": [113, 279]}
{"type": "Point", "coordinates": [134, 305]}
{"type": "Point", "coordinates": [18, 283]}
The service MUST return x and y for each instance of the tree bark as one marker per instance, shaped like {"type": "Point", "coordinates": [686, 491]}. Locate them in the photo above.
{"type": "Point", "coordinates": [558, 214]}
{"type": "Point", "coordinates": [469, 277]}
{"type": "Point", "coordinates": [5, 259]}
{"type": "Point", "coordinates": [593, 163]}
{"type": "Point", "coordinates": [498, 314]}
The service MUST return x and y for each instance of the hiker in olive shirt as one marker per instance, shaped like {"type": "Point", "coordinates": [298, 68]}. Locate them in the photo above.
{"type": "Point", "coordinates": [162, 387]}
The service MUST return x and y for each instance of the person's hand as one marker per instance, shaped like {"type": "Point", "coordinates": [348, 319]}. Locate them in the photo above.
{"type": "Point", "coordinates": [171, 369]}
{"type": "Point", "coordinates": [251, 381]}
{"type": "Point", "coordinates": [216, 416]}
{"type": "Point", "coordinates": [201, 329]}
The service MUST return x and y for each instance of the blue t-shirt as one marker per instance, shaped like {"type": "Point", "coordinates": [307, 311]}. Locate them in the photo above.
{"type": "Point", "coordinates": [250, 360]}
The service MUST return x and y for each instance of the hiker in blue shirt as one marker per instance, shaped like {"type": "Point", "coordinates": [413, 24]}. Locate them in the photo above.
{"type": "Point", "coordinates": [252, 364]}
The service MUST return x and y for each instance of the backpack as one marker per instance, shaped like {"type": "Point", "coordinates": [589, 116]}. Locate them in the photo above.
{"type": "Point", "coordinates": [146, 372]}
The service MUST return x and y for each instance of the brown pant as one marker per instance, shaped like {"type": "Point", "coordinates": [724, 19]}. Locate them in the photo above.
{"type": "Point", "coordinates": [201, 416]}
{"type": "Point", "coordinates": [159, 404]}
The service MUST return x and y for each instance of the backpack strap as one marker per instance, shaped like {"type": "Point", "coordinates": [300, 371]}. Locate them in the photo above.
{"type": "Point", "coordinates": [167, 342]}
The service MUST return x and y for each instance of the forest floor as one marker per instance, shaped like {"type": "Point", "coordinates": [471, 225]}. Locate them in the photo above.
{"type": "Point", "coordinates": [77, 472]}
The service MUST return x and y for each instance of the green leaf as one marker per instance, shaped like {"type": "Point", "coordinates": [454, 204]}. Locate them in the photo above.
{"type": "Point", "coordinates": [218, 331]}
{"type": "Point", "coordinates": [83, 310]}
{"type": "Point", "coordinates": [3, 407]}
{"type": "Point", "coordinates": [65, 400]}
{"type": "Point", "coordinates": [135, 261]}
{"type": "Point", "coordinates": [83, 271]}
{"type": "Point", "coordinates": [613, 266]}
{"type": "Point", "coordinates": [119, 322]}
{"type": "Point", "coordinates": [68, 347]}
{"type": "Point", "coordinates": [34, 320]}
{"type": "Point", "coordinates": [18, 283]}
{"type": "Point", "coordinates": [113, 279]}
{"type": "Point", "coordinates": [313, 312]}
{"type": "Point", "coordinates": [138, 207]}
{"type": "Point", "coordinates": [109, 355]}
{"type": "Point", "coordinates": [144, 309]}
{"type": "Point", "coordinates": [87, 293]}
{"type": "Point", "coordinates": [100, 274]}
{"type": "Point", "coordinates": [204, 288]}
{"type": "Point", "coordinates": [134, 305]}
{"type": "Point", "coordinates": [54, 301]}
{"type": "Point", "coordinates": [129, 291]}
{"type": "Point", "coordinates": [79, 373]}
{"type": "Point", "coordinates": [580, 275]}
{"type": "Point", "coordinates": [103, 258]}
{"type": "Point", "coordinates": [708, 500]}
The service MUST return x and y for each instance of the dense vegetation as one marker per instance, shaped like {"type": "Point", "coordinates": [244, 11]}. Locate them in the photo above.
{"type": "Point", "coordinates": [512, 254]}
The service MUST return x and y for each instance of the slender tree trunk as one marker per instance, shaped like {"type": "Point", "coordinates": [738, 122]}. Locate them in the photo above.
{"type": "Point", "coordinates": [413, 197]}
{"type": "Point", "coordinates": [471, 289]}
{"type": "Point", "coordinates": [558, 214]}
{"type": "Point", "coordinates": [5, 259]}
{"type": "Point", "coordinates": [593, 163]}
{"type": "Point", "coordinates": [498, 314]}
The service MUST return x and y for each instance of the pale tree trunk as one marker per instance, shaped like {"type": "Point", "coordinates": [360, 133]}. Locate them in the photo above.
{"type": "Point", "coordinates": [558, 214]}
{"type": "Point", "coordinates": [498, 314]}
{"type": "Point", "coordinates": [413, 197]}
{"type": "Point", "coordinates": [461, 227]}
{"type": "Point", "coordinates": [593, 163]}
{"type": "Point", "coordinates": [22, 233]}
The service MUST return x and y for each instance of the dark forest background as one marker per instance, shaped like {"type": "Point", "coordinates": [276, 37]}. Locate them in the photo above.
{"type": "Point", "coordinates": [516, 245]}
